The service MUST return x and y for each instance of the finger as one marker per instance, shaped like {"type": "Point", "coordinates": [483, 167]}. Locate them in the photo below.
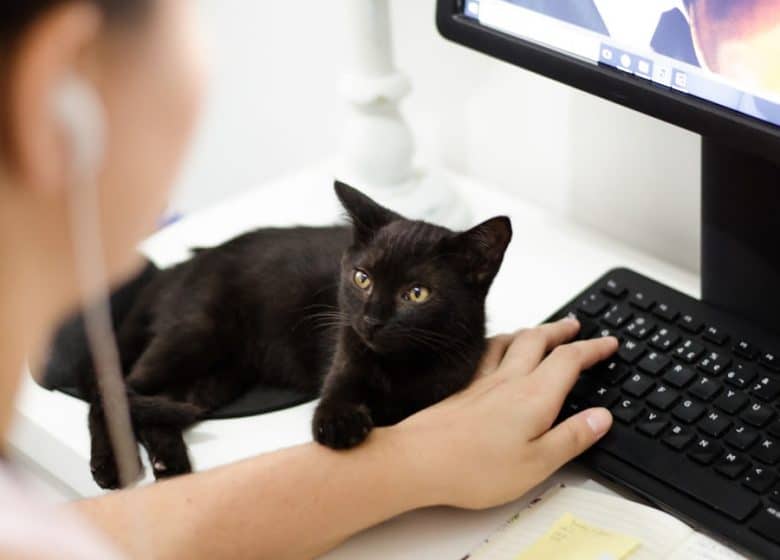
{"type": "Point", "coordinates": [570, 438]}
{"type": "Point", "coordinates": [558, 373]}
{"type": "Point", "coordinates": [494, 354]}
{"type": "Point", "coordinates": [530, 346]}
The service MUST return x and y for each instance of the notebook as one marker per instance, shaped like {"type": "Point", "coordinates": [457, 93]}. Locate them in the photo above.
{"type": "Point", "coordinates": [580, 524]}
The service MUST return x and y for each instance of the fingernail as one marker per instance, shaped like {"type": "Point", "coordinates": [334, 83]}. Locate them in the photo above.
{"type": "Point", "coordinates": [570, 319]}
{"type": "Point", "coordinates": [599, 420]}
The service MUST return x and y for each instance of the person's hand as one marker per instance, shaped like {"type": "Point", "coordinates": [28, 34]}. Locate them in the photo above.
{"type": "Point", "coordinates": [493, 441]}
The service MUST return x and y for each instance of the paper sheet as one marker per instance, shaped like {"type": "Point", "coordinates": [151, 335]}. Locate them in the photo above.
{"type": "Point", "coordinates": [573, 539]}
{"type": "Point", "coordinates": [661, 535]}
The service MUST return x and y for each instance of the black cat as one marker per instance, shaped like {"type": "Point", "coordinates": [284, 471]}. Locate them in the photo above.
{"type": "Point", "coordinates": [385, 317]}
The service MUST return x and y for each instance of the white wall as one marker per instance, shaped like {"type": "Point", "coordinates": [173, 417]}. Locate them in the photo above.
{"type": "Point", "coordinates": [274, 107]}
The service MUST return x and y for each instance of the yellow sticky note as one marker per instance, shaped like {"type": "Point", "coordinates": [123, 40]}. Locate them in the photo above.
{"type": "Point", "coordinates": [572, 539]}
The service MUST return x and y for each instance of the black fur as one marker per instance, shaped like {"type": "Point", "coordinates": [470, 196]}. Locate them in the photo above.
{"type": "Point", "coordinates": [281, 306]}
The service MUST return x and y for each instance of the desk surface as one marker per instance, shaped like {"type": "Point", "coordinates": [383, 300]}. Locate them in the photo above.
{"type": "Point", "coordinates": [549, 260]}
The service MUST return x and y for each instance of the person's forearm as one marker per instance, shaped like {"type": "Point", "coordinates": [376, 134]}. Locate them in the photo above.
{"type": "Point", "coordinates": [294, 503]}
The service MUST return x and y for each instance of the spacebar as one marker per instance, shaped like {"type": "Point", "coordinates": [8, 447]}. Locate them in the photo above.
{"type": "Point", "coordinates": [672, 468]}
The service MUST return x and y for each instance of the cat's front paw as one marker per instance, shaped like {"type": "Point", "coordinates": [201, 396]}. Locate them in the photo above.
{"type": "Point", "coordinates": [341, 425]}
{"type": "Point", "coordinates": [104, 471]}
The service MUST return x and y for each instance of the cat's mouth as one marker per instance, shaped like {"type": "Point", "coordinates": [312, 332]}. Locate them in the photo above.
{"type": "Point", "coordinates": [368, 338]}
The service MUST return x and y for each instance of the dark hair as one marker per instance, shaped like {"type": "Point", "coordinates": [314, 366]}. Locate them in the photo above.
{"type": "Point", "coordinates": [17, 15]}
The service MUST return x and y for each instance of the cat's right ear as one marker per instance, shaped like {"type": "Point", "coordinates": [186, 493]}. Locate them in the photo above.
{"type": "Point", "coordinates": [367, 216]}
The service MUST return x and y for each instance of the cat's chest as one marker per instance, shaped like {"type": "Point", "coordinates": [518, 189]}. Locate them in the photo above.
{"type": "Point", "coordinates": [394, 383]}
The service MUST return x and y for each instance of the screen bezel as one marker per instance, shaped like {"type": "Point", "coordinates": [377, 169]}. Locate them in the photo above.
{"type": "Point", "coordinates": [722, 124]}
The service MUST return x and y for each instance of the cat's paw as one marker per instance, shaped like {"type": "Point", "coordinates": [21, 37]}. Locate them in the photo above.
{"type": "Point", "coordinates": [341, 425]}
{"type": "Point", "coordinates": [170, 466]}
{"type": "Point", "coordinates": [104, 471]}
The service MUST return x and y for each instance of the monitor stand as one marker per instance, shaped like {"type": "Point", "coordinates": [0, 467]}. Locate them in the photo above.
{"type": "Point", "coordinates": [740, 244]}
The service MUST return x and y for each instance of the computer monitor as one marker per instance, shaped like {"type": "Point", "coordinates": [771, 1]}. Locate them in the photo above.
{"type": "Point", "coordinates": [710, 66]}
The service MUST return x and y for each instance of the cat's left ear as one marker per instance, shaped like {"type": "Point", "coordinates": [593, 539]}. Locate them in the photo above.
{"type": "Point", "coordinates": [367, 216]}
{"type": "Point", "coordinates": [483, 247]}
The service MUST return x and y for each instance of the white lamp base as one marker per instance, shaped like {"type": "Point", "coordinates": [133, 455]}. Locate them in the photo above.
{"type": "Point", "coordinates": [377, 152]}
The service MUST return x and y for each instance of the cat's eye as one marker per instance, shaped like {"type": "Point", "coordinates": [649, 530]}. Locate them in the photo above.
{"type": "Point", "coordinates": [417, 294]}
{"type": "Point", "coordinates": [362, 280]}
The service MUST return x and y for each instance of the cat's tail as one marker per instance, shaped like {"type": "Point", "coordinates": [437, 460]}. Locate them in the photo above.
{"type": "Point", "coordinates": [159, 410]}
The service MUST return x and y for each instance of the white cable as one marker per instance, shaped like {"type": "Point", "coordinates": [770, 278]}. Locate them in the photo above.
{"type": "Point", "coordinates": [81, 112]}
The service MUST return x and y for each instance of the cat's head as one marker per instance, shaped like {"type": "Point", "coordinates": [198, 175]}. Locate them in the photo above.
{"type": "Point", "coordinates": [410, 284]}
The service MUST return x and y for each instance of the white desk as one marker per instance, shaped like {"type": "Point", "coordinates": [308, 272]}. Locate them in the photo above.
{"type": "Point", "coordinates": [549, 260]}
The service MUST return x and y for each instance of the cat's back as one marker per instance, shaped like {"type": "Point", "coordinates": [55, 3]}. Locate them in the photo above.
{"type": "Point", "coordinates": [272, 267]}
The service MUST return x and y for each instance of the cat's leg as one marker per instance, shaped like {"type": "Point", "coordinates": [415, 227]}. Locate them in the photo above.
{"type": "Point", "coordinates": [102, 459]}
{"type": "Point", "coordinates": [173, 357]}
{"type": "Point", "coordinates": [342, 418]}
{"type": "Point", "coordinates": [167, 451]}
{"type": "Point", "coordinates": [164, 443]}
{"type": "Point", "coordinates": [132, 338]}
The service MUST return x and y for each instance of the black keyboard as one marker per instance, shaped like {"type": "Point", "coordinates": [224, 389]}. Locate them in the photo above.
{"type": "Point", "coordinates": [694, 393]}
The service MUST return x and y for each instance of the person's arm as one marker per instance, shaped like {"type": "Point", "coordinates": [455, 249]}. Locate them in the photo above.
{"type": "Point", "coordinates": [481, 447]}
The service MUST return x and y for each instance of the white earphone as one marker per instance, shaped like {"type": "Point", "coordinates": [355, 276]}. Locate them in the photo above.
{"type": "Point", "coordinates": [80, 110]}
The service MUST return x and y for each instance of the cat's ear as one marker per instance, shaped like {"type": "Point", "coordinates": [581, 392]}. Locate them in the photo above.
{"type": "Point", "coordinates": [483, 248]}
{"type": "Point", "coordinates": [367, 216]}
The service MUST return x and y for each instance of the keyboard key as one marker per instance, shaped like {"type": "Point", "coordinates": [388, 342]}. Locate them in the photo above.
{"type": "Point", "coordinates": [588, 327]}
{"type": "Point", "coordinates": [766, 389]}
{"type": "Point", "coordinates": [770, 360]}
{"type": "Point", "coordinates": [627, 410]}
{"type": "Point", "coordinates": [604, 396]}
{"type": "Point", "coordinates": [679, 376]}
{"type": "Point", "coordinates": [705, 451]}
{"type": "Point", "coordinates": [613, 288]}
{"type": "Point", "coordinates": [638, 385]}
{"type": "Point", "coordinates": [745, 349]}
{"type": "Point", "coordinates": [774, 428]}
{"type": "Point", "coordinates": [662, 397]}
{"type": "Point", "coordinates": [665, 312]}
{"type": "Point", "coordinates": [731, 401]}
{"type": "Point", "coordinates": [675, 470]}
{"type": "Point", "coordinates": [714, 363]}
{"type": "Point", "coordinates": [740, 376]}
{"type": "Point", "coordinates": [705, 388]}
{"type": "Point", "coordinates": [653, 363]}
{"type": "Point", "coordinates": [617, 315]}
{"type": "Point", "coordinates": [604, 332]}
{"type": "Point", "coordinates": [775, 495]}
{"type": "Point", "coordinates": [641, 301]}
{"type": "Point", "coordinates": [640, 328]}
{"type": "Point", "coordinates": [631, 351]}
{"type": "Point", "coordinates": [757, 414]}
{"type": "Point", "coordinates": [767, 523]}
{"type": "Point", "coordinates": [664, 340]}
{"type": "Point", "coordinates": [741, 437]}
{"type": "Point", "coordinates": [759, 479]}
{"type": "Point", "coordinates": [690, 323]}
{"type": "Point", "coordinates": [688, 411]}
{"type": "Point", "coordinates": [731, 465]}
{"type": "Point", "coordinates": [615, 372]}
{"type": "Point", "coordinates": [714, 424]}
{"type": "Point", "coordinates": [689, 351]}
{"type": "Point", "coordinates": [767, 451]}
{"type": "Point", "coordinates": [593, 304]}
{"type": "Point", "coordinates": [678, 436]}
{"type": "Point", "coordinates": [715, 335]}
{"type": "Point", "coordinates": [651, 424]}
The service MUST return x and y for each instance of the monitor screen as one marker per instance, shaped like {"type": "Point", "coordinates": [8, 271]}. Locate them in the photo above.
{"type": "Point", "coordinates": [723, 51]}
